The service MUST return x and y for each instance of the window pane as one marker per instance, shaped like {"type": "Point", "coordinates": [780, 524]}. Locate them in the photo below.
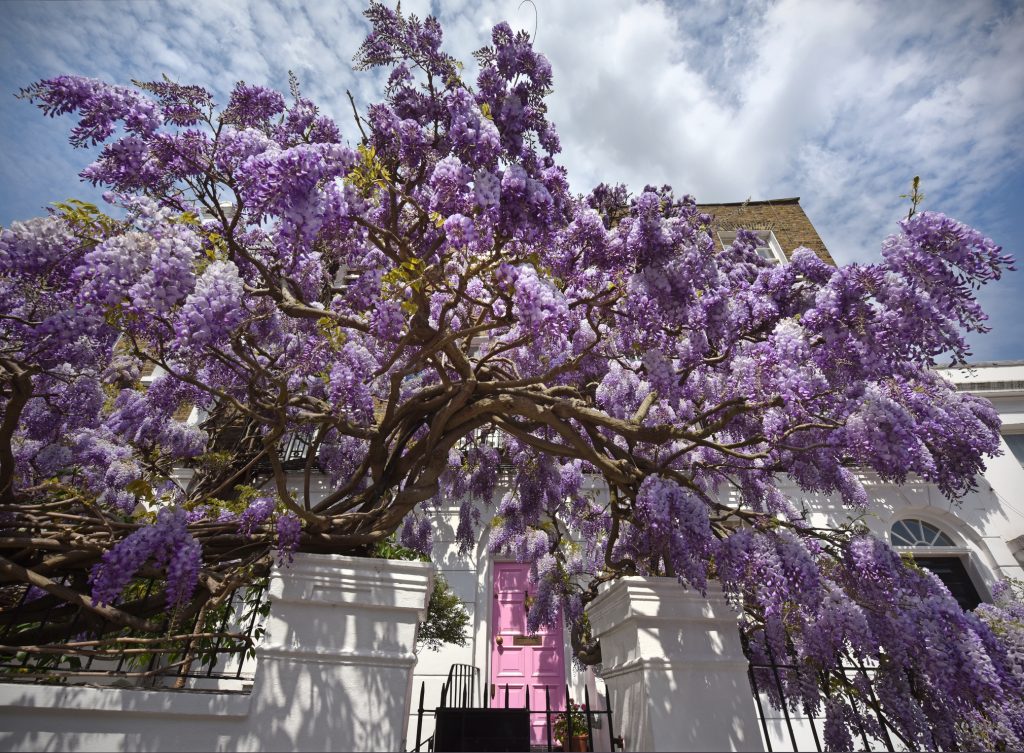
{"type": "Point", "coordinates": [900, 535]}
{"type": "Point", "coordinates": [912, 532]}
{"type": "Point", "coordinates": [1016, 442]}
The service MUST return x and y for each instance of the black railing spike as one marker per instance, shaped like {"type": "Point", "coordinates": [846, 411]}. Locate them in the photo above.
{"type": "Point", "coordinates": [876, 707]}
{"type": "Point", "coordinates": [760, 708]}
{"type": "Point", "coordinates": [613, 741]}
{"type": "Point", "coordinates": [419, 714]}
{"type": "Point", "coordinates": [568, 719]}
{"type": "Point", "coordinates": [782, 694]}
{"type": "Point", "coordinates": [814, 730]}
{"type": "Point", "coordinates": [590, 719]}
{"type": "Point", "coordinates": [860, 724]}
{"type": "Point", "coordinates": [527, 706]}
{"type": "Point", "coordinates": [506, 695]}
{"type": "Point", "coordinates": [547, 712]}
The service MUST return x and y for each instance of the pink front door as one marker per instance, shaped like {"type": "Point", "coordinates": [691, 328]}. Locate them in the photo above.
{"type": "Point", "coordinates": [520, 660]}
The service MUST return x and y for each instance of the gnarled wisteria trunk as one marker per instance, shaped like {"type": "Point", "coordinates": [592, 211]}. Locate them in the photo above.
{"type": "Point", "coordinates": [491, 318]}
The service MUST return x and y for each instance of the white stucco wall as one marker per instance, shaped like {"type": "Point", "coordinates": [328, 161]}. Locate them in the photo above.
{"type": "Point", "coordinates": [334, 673]}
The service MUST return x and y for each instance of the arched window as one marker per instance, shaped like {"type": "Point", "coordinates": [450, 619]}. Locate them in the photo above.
{"type": "Point", "coordinates": [948, 567]}
{"type": "Point", "coordinates": [918, 533]}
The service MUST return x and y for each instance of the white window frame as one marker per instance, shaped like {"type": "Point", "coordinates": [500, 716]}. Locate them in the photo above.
{"type": "Point", "coordinates": [1013, 431]}
{"type": "Point", "coordinates": [726, 237]}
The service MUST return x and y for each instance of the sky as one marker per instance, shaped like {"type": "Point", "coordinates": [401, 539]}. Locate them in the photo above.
{"type": "Point", "coordinates": [840, 103]}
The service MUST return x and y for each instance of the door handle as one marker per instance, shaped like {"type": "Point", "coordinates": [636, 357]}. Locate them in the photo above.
{"type": "Point", "coordinates": [499, 640]}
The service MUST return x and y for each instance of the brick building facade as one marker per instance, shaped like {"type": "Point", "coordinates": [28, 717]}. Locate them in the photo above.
{"type": "Point", "coordinates": [783, 217]}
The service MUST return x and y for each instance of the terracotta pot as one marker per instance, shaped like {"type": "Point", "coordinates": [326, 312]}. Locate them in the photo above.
{"type": "Point", "coordinates": [578, 744]}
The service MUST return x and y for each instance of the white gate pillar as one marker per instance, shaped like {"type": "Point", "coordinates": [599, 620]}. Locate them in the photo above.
{"type": "Point", "coordinates": [335, 668]}
{"type": "Point", "coordinates": [674, 667]}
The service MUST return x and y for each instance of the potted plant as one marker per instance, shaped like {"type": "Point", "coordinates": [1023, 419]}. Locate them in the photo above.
{"type": "Point", "coordinates": [574, 735]}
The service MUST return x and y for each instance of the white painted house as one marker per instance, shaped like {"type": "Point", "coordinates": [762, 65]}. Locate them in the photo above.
{"type": "Point", "coordinates": [970, 545]}
{"type": "Point", "coordinates": [337, 669]}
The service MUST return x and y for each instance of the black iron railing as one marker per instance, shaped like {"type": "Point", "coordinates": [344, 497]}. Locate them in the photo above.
{"type": "Point", "coordinates": [459, 692]}
{"type": "Point", "coordinates": [787, 730]}
{"type": "Point", "coordinates": [44, 640]}
{"type": "Point", "coordinates": [460, 689]}
{"type": "Point", "coordinates": [490, 437]}
{"type": "Point", "coordinates": [293, 449]}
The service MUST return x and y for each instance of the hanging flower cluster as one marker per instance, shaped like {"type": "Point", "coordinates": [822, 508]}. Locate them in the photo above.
{"type": "Point", "coordinates": [369, 322]}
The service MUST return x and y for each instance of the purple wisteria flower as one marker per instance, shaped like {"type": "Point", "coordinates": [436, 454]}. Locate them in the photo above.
{"type": "Point", "coordinates": [167, 544]}
{"type": "Point", "coordinates": [417, 314]}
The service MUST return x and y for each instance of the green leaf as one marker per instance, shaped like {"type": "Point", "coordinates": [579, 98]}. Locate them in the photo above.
{"type": "Point", "coordinates": [140, 488]}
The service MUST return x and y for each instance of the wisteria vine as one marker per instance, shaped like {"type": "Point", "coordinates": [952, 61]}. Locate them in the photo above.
{"type": "Point", "coordinates": [405, 312]}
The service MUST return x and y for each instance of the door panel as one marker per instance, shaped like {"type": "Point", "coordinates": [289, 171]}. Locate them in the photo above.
{"type": "Point", "coordinates": [539, 666]}
{"type": "Point", "coordinates": [953, 574]}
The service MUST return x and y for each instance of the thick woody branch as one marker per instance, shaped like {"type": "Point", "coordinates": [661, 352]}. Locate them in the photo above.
{"type": "Point", "coordinates": [21, 391]}
{"type": "Point", "coordinates": [11, 572]}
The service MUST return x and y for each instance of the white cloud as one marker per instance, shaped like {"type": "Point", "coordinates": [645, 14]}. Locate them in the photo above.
{"type": "Point", "coordinates": [840, 103]}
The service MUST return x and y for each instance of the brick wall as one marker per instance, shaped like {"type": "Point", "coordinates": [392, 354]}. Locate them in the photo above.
{"type": "Point", "coordinates": [784, 217]}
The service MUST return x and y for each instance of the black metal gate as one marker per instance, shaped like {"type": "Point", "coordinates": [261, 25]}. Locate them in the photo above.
{"type": "Point", "coordinates": [770, 679]}
{"type": "Point", "coordinates": [468, 719]}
